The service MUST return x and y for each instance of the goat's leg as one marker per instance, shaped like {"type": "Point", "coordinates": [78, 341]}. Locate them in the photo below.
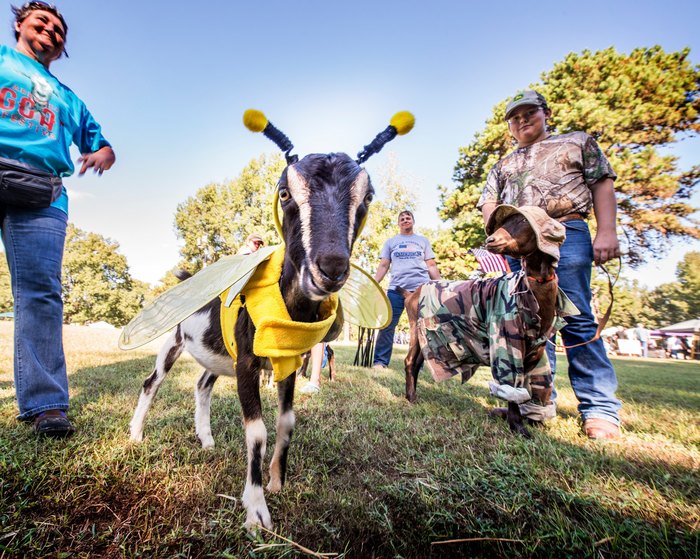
{"type": "Point", "coordinates": [202, 410]}
{"type": "Point", "coordinates": [168, 354]}
{"type": "Point", "coordinates": [301, 371]}
{"type": "Point", "coordinates": [256, 441]}
{"type": "Point", "coordinates": [285, 428]}
{"type": "Point", "coordinates": [413, 362]}
{"type": "Point", "coordinates": [516, 420]}
{"type": "Point", "coordinates": [331, 362]}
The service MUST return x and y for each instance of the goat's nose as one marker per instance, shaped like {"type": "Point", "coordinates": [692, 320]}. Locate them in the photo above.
{"type": "Point", "coordinates": [333, 267]}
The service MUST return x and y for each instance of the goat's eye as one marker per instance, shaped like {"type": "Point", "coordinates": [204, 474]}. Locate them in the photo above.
{"type": "Point", "coordinates": [284, 194]}
{"type": "Point", "coordinates": [368, 198]}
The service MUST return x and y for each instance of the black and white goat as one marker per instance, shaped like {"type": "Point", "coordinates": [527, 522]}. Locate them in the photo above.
{"type": "Point", "coordinates": [325, 199]}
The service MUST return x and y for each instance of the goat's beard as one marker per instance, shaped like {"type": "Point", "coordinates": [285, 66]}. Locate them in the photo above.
{"type": "Point", "coordinates": [313, 290]}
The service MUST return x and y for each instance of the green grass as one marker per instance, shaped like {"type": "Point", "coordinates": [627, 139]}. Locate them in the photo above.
{"type": "Point", "coordinates": [369, 475]}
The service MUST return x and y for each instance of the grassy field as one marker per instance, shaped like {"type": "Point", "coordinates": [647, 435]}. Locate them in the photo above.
{"type": "Point", "coordinates": [369, 475]}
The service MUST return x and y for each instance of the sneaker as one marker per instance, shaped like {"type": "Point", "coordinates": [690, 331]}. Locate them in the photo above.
{"type": "Point", "coordinates": [379, 366]}
{"type": "Point", "coordinates": [310, 389]}
{"type": "Point", "coordinates": [53, 423]}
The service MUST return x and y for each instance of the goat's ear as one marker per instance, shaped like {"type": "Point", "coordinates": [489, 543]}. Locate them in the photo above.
{"type": "Point", "coordinates": [337, 326]}
{"type": "Point", "coordinates": [401, 123]}
{"type": "Point", "coordinates": [256, 121]}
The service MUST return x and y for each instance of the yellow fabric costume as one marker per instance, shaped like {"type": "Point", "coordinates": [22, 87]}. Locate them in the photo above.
{"type": "Point", "coordinates": [277, 336]}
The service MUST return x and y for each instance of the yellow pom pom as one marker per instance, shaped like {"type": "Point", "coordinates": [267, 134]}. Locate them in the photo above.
{"type": "Point", "coordinates": [403, 122]}
{"type": "Point", "coordinates": [255, 121]}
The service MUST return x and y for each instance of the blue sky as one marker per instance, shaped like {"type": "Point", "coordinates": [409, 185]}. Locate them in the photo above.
{"type": "Point", "coordinates": [169, 82]}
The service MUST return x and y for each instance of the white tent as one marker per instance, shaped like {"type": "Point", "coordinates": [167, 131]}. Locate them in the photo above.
{"type": "Point", "coordinates": [687, 326]}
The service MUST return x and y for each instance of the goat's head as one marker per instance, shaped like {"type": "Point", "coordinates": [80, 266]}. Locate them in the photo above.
{"type": "Point", "coordinates": [324, 200]}
{"type": "Point", "coordinates": [518, 232]}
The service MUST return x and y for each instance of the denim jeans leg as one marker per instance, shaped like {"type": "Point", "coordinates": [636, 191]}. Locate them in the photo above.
{"type": "Point", "coordinates": [34, 241]}
{"type": "Point", "coordinates": [591, 374]}
{"type": "Point", "coordinates": [385, 339]}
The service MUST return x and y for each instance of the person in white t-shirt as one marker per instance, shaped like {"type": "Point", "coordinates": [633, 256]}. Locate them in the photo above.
{"type": "Point", "coordinates": [412, 263]}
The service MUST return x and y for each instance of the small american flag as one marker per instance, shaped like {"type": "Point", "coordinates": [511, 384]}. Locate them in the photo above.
{"type": "Point", "coordinates": [489, 262]}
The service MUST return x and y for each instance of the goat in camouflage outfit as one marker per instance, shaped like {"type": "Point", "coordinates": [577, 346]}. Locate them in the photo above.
{"type": "Point", "coordinates": [503, 322]}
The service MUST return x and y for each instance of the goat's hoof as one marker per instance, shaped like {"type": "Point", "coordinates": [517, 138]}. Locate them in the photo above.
{"type": "Point", "coordinates": [499, 413]}
{"type": "Point", "coordinates": [257, 518]}
{"type": "Point", "coordinates": [274, 486]}
{"type": "Point", "coordinates": [136, 437]}
{"type": "Point", "coordinates": [520, 429]}
{"type": "Point", "coordinates": [207, 441]}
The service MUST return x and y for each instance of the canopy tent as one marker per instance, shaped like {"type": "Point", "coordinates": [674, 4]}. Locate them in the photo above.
{"type": "Point", "coordinates": [687, 326]}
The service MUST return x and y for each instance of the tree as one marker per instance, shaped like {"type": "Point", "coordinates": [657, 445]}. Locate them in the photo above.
{"type": "Point", "coordinates": [666, 305]}
{"type": "Point", "coordinates": [688, 274]}
{"type": "Point", "coordinates": [636, 106]}
{"type": "Point", "coordinates": [97, 284]}
{"type": "Point", "coordinates": [217, 219]}
{"type": "Point", "coordinates": [630, 306]}
{"type": "Point", "coordinates": [392, 197]}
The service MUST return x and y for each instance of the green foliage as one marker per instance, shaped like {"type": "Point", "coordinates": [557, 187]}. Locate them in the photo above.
{"type": "Point", "coordinates": [636, 106]}
{"type": "Point", "coordinates": [392, 197]}
{"type": "Point", "coordinates": [666, 304]}
{"type": "Point", "coordinates": [688, 273]}
{"type": "Point", "coordinates": [217, 219]}
{"type": "Point", "coordinates": [97, 284]}
{"type": "Point", "coordinates": [631, 303]}
{"type": "Point", "coordinates": [680, 300]}
{"type": "Point", "coordinates": [454, 262]}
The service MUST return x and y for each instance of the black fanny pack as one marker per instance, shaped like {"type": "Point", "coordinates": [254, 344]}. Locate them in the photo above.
{"type": "Point", "coordinates": [25, 186]}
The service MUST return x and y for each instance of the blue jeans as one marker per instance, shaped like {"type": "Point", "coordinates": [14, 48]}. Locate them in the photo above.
{"type": "Point", "coordinates": [385, 340]}
{"type": "Point", "coordinates": [34, 242]}
{"type": "Point", "coordinates": [591, 374]}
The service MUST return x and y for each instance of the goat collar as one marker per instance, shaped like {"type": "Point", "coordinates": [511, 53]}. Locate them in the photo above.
{"type": "Point", "coordinates": [543, 280]}
{"type": "Point", "coordinates": [277, 336]}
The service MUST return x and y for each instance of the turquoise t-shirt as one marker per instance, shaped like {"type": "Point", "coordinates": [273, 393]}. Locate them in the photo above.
{"type": "Point", "coordinates": [40, 118]}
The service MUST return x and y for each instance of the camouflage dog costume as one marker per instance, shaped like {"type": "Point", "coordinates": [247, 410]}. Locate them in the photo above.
{"type": "Point", "coordinates": [465, 324]}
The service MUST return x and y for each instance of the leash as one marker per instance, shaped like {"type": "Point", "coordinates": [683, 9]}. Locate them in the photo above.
{"type": "Point", "coordinates": [604, 319]}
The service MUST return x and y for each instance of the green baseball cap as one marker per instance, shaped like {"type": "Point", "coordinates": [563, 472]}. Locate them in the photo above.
{"type": "Point", "coordinates": [522, 98]}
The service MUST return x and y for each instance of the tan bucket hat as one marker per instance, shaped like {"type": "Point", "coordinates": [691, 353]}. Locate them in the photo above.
{"type": "Point", "coordinates": [550, 233]}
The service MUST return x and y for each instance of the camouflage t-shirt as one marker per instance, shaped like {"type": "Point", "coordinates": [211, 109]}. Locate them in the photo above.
{"type": "Point", "coordinates": [465, 324]}
{"type": "Point", "coordinates": [554, 174]}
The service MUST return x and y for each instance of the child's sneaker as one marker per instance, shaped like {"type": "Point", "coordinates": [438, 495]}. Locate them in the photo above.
{"type": "Point", "coordinates": [310, 389]}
